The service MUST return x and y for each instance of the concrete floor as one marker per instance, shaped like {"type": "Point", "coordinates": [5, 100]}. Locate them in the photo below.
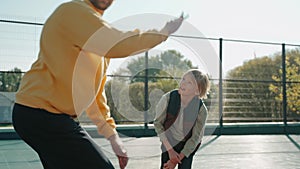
{"type": "Point", "coordinates": [216, 152]}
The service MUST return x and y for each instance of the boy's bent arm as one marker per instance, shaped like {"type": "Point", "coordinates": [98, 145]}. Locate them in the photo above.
{"type": "Point", "coordinates": [197, 132]}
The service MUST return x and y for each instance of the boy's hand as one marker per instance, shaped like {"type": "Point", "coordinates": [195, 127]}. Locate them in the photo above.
{"type": "Point", "coordinates": [169, 165]}
{"type": "Point", "coordinates": [174, 156]}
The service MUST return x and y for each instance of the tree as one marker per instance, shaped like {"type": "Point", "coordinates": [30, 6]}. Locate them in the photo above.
{"type": "Point", "coordinates": [126, 96]}
{"type": "Point", "coordinates": [169, 61]}
{"type": "Point", "coordinates": [247, 90]}
{"type": "Point", "coordinates": [254, 90]}
{"type": "Point", "coordinates": [10, 81]}
{"type": "Point", "coordinates": [293, 79]}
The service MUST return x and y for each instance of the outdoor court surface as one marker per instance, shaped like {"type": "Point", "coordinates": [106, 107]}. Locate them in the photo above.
{"type": "Point", "coordinates": [217, 152]}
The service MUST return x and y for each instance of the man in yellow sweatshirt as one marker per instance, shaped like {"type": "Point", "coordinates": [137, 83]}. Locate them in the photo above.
{"type": "Point", "coordinates": [75, 48]}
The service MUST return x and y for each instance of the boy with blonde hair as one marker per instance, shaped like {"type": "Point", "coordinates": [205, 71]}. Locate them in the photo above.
{"type": "Point", "coordinates": [180, 120]}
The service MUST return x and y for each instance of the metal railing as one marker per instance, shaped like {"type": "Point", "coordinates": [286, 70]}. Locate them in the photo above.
{"type": "Point", "coordinates": [227, 106]}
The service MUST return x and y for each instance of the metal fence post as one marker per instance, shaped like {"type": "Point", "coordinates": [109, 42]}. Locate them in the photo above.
{"type": "Point", "coordinates": [284, 98]}
{"type": "Point", "coordinates": [220, 86]}
{"type": "Point", "coordinates": [146, 98]}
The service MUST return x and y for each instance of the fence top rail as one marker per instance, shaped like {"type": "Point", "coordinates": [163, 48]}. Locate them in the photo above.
{"type": "Point", "coordinates": [181, 36]}
{"type": "Point", "coordinates": [21, 22]}
{"type": "Point", "coordinates": [237, 40]}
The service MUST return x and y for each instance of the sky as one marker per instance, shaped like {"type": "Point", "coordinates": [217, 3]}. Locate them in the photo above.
{"type": "Point", "coordinates": [274, 21]}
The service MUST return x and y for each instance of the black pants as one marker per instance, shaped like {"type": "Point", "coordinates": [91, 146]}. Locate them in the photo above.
{"type": "Point", "coordinates": [59, 141]}
{"type": "Point", "coordinates": [186, 162]}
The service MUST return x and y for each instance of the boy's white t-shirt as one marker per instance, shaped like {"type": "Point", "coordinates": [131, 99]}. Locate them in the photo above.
{"type": "Point", "coordinates": [177, 127]}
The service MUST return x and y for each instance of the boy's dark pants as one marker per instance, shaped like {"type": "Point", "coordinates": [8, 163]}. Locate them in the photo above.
{"type": "Point", "coordinates": [60, 142]}
{"type": "Point", "coordinates": [186, 163]}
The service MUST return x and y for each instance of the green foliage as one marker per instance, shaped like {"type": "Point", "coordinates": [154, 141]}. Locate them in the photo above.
{"type": "Point", "coordinates": [169, 61]}
{"type": "Point", "coordinates": [293, 80]}
{"type": "Point", "coordinates": [254, 90]}
{"type": "Point", "coordinates": [10, 81]}
{"type": "Point", "coordinates": [126, 101]}
{"type": "Point", "coordinates": [173, 60]}
{"type": "Point", "coordinates": [126, 96]}
{"type": "Point", "coordinates": [247, 90]}
{"type": "Point", "coordinates": [137, 68]}
{"type": "Point", "coordinates": [111, 103]}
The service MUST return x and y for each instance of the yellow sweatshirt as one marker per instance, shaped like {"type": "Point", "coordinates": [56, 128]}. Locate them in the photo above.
{"type": "Point", "coordinates": [75, 47]}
